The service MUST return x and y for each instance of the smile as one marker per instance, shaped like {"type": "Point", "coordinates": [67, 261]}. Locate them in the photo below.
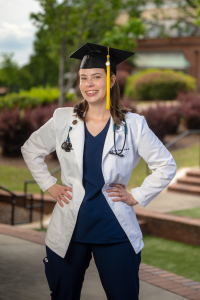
{"type": "Point", "coordinates": [91, 93]}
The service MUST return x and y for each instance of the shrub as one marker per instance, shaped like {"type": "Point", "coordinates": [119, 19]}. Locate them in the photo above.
{"type": "Point", "coordinates": [162, 119]}
{"type": "Point", "coordinates": [159, 84]}
{"type": "Point", "coordinates": [34, 97]}
{"type": "Point", "coordinates": [14, 131]}
{"type": "Point", "coordinates": [190, 106]}
{"type": "Point", "coordinates": [45, 96]}
{"type": "Point", "coordinates": [129, 104]}
{"type": "Point", "coordinates": [13, 100]}
{"type": "Point", "coordinates": [16, 126]}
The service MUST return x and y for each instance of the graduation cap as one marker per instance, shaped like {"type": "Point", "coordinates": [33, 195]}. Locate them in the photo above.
{"type": "Point", "coordinates": [103, 57]}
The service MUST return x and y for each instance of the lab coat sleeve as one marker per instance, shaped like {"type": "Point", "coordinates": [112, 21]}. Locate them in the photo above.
{"type": "Point", "coordinates": [159, 160]}
{"type": "Point", "coordinates": [40, 143]}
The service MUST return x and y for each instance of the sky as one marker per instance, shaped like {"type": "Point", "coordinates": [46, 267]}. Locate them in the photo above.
{"type": "Point", "coordinates": [16, 29]}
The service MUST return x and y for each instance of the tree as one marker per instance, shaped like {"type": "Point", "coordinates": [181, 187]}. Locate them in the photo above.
{"type": "Point", "coordinates": [71, 23]}
{"type": "Point", "coordinates": [43, 65]}
{"type": "Point", "coordinates": [9, 72]}
{"type": "Point", "coordinates": [186, 12]}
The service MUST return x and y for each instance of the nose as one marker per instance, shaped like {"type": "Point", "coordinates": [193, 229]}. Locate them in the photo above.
{"type": "Point", "coordinates": [89, 82]}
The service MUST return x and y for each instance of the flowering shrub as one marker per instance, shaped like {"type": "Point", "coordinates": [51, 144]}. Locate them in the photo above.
{"type": "Point", "coordinates": [162, 119]}
{"type": "Point", "coordinates": [129, 104]}
{"type": "Point", "coordinates": [190, 106]}
{"type": "Point", "coordinates": [16, 126]}
{"type": "Point", "coordinates": [14, 131]}
{"type": "Point", "coordinates": [159, 84]}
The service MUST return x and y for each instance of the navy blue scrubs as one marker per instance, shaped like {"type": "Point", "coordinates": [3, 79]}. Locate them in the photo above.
{"type": "Point", "coordinates": [96, 222]}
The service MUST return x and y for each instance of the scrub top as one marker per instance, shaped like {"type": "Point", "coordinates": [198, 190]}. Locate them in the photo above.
{"type": "Point", "coordinates": [96, 222]}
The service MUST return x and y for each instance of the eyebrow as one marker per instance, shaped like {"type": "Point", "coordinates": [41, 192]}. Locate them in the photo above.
{"type": "Point", "coordinates": [91, 74]}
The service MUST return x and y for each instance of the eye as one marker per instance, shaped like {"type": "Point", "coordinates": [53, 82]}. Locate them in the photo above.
{"type": "Point", "coordinates": [83, 78]}
{"type": "Point", "coordinates": [97, 76]}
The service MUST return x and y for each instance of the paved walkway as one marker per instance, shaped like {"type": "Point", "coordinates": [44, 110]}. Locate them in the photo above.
{"type": "Point", "coordinates": [22, 275]}
{"type": "Point", "coordinates": [169, 201]}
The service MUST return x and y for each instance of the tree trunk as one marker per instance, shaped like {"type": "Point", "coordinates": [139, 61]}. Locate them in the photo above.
{"type": "Point", "coordinates": [61, 82]}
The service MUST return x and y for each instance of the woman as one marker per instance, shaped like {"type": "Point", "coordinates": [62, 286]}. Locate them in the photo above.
{"type": "Point", "coordinates": [94, 212]}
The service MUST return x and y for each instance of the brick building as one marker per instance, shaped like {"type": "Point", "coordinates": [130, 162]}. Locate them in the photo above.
{"type": "Point", "coordinates": [178, 53]}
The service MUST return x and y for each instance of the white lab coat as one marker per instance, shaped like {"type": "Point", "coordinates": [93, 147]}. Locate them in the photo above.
{"type": "Point", "coordinates": [140, 142]}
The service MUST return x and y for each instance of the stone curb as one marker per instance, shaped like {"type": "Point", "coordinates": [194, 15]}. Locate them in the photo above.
{"type": "Point", "coordinates": [169, 226]}
{"type": "Point", "coordinates": [176, 284]}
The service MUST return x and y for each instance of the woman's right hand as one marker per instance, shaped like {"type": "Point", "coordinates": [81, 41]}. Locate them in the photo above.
{"type": "Point", "coordinates": [58, 192]}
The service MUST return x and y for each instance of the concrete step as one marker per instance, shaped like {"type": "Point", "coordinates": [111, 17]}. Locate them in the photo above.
{"type": "Point", "coordinates": [184, 188]}
{"type": "Point", "coordinates": [190, 180]}
{"type": "Point", "coordinates": [193, 173]}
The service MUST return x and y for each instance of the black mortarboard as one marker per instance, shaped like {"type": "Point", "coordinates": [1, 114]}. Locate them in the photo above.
{"type": "Point", "coordinates": [95, 56]}
{"type": "Point", "coordinates": [103, 57]}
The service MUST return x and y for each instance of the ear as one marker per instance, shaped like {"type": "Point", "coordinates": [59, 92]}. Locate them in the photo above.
{"type": "Point", "coordinates": [112, 80]}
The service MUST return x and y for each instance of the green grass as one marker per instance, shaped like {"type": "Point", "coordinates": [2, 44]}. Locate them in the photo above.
{"type": "Point", "coordinates": [13, 177]}
{"type": "Point", "coordinates": [187, 157]}
{"type": "Point", "coordinates": [42, 230]}
{"type": "Point", "coordinates": [179, 258]}
{"type": "Point", "coordinates": [193, 213]}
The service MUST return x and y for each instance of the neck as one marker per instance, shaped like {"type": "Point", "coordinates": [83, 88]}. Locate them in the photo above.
{"type": "Point", "coordinates": [98, 111]}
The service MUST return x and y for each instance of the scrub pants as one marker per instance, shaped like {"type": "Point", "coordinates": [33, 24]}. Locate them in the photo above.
{"type": "Point", "coordinates": [117, 264]}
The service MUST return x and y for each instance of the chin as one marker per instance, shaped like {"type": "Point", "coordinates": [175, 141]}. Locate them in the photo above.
{"type": "Point", "coordinates": [93, 100]}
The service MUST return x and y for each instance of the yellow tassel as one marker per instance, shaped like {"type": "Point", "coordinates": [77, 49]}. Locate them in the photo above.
{"type": "Point", "coordinates": [108, 81]}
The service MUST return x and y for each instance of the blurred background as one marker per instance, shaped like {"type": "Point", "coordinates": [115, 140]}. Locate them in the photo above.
{"type": "Point", "coordinates": [161, 82]}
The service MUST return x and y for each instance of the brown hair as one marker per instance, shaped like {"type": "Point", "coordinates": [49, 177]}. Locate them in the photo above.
{"type": "Point", "coordinates": [117, 110]}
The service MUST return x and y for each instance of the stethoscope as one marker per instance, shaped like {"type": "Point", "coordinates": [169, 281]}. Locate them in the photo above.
{"type": "Point", "coordinates": [67, 145]}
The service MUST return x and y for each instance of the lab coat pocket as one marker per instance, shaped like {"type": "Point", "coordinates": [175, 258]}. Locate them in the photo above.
{"type": "Point", "coordinates": [56, 223]}
{"type": "Point", "coordinates": [49, 273]}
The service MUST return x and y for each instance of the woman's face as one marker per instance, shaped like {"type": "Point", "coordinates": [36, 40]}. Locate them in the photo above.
{"type": "Point", "coordinates": [93, 84]}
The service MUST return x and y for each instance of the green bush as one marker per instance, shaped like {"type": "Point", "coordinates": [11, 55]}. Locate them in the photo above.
{"type": "Point", "coordinates": [34, 97]}
{"type": "Point", "coordinates": [156, 84]}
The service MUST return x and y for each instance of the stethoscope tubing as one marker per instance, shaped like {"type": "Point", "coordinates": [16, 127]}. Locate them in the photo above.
{"type": "Point", "coordinates": [67, 146]}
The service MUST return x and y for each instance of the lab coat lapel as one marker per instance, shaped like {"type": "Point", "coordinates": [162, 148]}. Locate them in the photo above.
{"type": "Point", "coordinates": [77, 137]}
{"type": "Point", "coordinates": [109, 142]}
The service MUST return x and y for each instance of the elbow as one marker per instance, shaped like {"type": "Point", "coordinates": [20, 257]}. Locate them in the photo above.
{"type": "Point", "coordinates": [173, 170]}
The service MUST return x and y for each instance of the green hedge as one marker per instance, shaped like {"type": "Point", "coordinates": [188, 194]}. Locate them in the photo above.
{"type": "Point", "coordinates": [154, 84]}
{"type": "Point", "coordinates": [34, 97]}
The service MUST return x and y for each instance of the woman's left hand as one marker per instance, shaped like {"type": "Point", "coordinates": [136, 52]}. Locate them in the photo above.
{"type": "Point", "coordinates": [119, 191]}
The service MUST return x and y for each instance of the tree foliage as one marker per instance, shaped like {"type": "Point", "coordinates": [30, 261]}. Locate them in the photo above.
{"type": "Point", "coordinates": [71, 23]}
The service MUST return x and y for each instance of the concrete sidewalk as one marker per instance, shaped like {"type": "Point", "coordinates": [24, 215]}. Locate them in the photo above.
{"type": "Point", "coordinates": [22, 275]}
{"type": "Point", "coordinates": [166, 202]}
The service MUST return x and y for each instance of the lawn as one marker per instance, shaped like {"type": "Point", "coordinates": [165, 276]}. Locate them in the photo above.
{"type": "Point", "coordinates": [187, 157]}
{"type": "Point", "coordinates": [193, 212]}
{"type": "Point", "coordinates": [179, 258]}
{"type": "Point", "coordinates": [13, 177]}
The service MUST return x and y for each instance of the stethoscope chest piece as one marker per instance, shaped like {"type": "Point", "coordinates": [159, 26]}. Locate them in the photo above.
{"type": "Point", "coordinates": [67, 146]}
